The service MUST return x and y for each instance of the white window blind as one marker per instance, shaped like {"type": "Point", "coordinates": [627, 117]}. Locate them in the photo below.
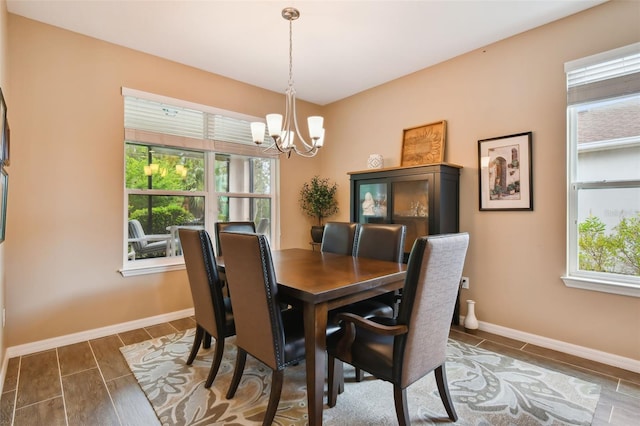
{"type": "Point", "coordinates": [143, 114]}
{"type": "Point", "coordinates": [155, 116]}
{"type": "Point", "coordinates": [228, 129]}
{"type": "Point", "coordinates": [611, 74]}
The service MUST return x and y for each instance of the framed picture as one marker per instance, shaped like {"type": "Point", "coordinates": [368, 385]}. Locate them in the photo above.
{"type": "Point", "coordinates": [505, 172]}
{"type": "Point", "coordinates": [6, 144]}
{"type": "Point", "coordinates": [4, 136]}
{"type": "Point", "coordinates": [4, 187]}
{"type": "Point", "coordinates": [424, 144]}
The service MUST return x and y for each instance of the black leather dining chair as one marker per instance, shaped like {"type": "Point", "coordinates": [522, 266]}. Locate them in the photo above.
{"type": "Point", "coordinates": [382, 241]}
{"type": "Point", "coordinates": [404, 349]}
{"type": "Point", "coordinates": [338, 237]}
{"type": "Point", "coordinates": [264, 331]}
{"type": "Point", "coordinates": [232, 227]}
{"type": "Point", "coordinates": [213, 313]}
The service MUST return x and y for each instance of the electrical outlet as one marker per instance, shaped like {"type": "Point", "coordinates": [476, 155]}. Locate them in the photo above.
{"type": "Point", "coordinates": [464, 282]}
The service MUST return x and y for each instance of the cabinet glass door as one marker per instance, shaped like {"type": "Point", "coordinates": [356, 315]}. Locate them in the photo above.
{"type": "Point", "coordinates": [411, 208]}
{"type": "Point", "coordinates": [373, 203]}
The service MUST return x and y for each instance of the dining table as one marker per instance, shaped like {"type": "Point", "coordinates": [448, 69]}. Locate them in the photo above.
{"type": "Point", "coordinates": [317, 282]}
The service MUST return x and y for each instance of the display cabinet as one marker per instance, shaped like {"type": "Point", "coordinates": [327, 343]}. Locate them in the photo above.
{"type": "Point", "coordinates": [424, 198]}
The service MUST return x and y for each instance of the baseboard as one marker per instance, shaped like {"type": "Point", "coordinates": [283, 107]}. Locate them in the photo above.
{"type": "Point", "coordinates": [96, 333]}
{"type": "Point", "coordinates": [560, 346]}
{"type": "Point", "coordinates": [70, 339]}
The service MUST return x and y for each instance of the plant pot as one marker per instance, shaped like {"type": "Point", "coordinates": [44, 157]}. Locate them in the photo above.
{"type": "Point", "coordinates": [316, 233]}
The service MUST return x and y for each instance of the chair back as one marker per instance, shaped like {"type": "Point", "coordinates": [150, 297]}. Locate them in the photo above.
{"type": "Point", "coordinates": [232, 227]}
{"type": "Point", "coordinates": [206, 289]}
{"type": "Point", "coordinates": [382, 241]}
{"type": "Point", "coordinates": [428, 299]}
{"type": "Point", "coordinates": [338, 237]}
{"type": "Point", "coordinates": [252, 282]}
{"type": "Point", "coordinates": [137, 233]}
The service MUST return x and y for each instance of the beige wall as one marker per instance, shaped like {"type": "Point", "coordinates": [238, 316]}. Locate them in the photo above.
{"type": "Point", "coordinates": [65, 205]}
{"type": "Point", "coordinates": [515, 259]}
{"type": "Point", "coordinates": [64, 244]}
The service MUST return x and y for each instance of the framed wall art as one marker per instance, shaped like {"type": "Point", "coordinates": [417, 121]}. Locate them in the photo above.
{"type": "Point", "coordinates": [6, 144]}
{"type": "Point", "coordinates": [4, 132]}
{"type": "Point", "coordinates": [4, 188]}
{"type": "Point", "coordinates": [424, 144]}
{"type": "Point", "coordinates": [505, 172]}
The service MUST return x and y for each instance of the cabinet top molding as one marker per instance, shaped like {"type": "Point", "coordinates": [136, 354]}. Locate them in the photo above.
{"type": "Point", "coordinates": [404, 168]}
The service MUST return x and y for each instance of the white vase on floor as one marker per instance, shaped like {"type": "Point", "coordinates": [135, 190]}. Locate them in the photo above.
{"type": "Point", "coordinates": [470, 321]}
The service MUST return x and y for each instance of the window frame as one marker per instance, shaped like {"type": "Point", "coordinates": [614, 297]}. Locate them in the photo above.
{"type": "Point", "coordinates": [210, 147]}
{"type": "Point", "coordinates": [626, 285]}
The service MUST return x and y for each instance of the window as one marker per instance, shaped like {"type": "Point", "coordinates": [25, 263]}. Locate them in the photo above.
{"type": "Point", "coordinates": [190, 166]}
{"type": "Point", "coordinates": [242, 188]}
{"type": "Point", "coordinates": [603, 119]}
{"type": "Point", "coordinates": [165, 188]}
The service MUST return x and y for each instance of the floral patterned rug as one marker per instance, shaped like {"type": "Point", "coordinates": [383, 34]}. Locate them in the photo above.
{"type": "Point", "coordinates": [487, 389]}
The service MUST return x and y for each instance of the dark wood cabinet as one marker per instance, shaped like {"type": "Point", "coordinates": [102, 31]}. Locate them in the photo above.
{"type": "Point", "coordinates": [424, 198]}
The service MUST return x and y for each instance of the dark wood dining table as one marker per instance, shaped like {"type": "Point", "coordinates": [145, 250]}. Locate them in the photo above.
{"type": "Point", "coordinates": [318, 282]}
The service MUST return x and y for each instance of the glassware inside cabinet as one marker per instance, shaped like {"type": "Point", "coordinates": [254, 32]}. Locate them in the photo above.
{"type": "Point", "coordinates": [411, 208]}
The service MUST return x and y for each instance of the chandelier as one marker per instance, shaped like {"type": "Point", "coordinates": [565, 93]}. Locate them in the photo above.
{"type": "Point", "coordinates": [284, 132]}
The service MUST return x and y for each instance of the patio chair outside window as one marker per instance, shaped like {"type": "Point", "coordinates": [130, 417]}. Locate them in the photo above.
{"type": "Point", "coordinates": [143, 245]}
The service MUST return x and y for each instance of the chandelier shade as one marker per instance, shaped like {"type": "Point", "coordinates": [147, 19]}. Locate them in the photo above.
{"type": "Point", "coordinates": [283, 130]}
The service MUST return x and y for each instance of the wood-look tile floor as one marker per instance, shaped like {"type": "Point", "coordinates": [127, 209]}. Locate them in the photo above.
{"type": "Point", "coordinates": [89, 383]}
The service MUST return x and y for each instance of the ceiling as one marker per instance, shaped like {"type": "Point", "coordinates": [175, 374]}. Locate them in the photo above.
{"type": "Point", "coordinates": [340, 48]}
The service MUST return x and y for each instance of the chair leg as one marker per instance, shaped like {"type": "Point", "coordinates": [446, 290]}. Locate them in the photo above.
{"type": "Point", "coordinates": [359, 375]}
{"type": "Point", "coordinates": [196, 344]}
{"type": "Point", "coordinates": [207, 340]}
{"type": "Point", "coordinates": [215, 364]}
{"type": "Point", "coordinates": [277, 377]}
{"type": "Point", "coordinates": [402, 410]}
{"type": "Point", "coordinates": [443, 389]}
{"type": "Point", "coordinates": [241, 358]}
{"type": "Point", "coordinates": [335, 381]}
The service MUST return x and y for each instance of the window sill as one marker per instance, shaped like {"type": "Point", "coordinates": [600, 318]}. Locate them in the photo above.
{"type": "Point", "coordinates": [602, 286]}
{"type": "Point", "coordinates": [152, 266]}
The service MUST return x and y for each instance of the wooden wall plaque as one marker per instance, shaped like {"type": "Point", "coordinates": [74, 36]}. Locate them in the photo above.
{"type": "Point", "coordinates": [424, 144]}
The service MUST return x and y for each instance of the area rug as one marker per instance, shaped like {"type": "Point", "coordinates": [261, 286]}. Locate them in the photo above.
{"type": "Point", "coordinates": [487, 389]}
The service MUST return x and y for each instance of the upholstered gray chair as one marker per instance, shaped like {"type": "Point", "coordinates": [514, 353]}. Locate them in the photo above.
{"type": "Point", "coordinates": [147, 244]}
{"type": "Point", "coordinates": [213, 313]}
{"type": "Point", "coordinates": [404, 349]}
{"type": "Point", "coordinates": [232, 227]}
{"type": "Point", "coordinates": [263, 330]}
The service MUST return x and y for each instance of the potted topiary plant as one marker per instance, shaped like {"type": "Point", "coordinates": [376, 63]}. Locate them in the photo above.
{"type": "Point", "coordinates": [318, 200]}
